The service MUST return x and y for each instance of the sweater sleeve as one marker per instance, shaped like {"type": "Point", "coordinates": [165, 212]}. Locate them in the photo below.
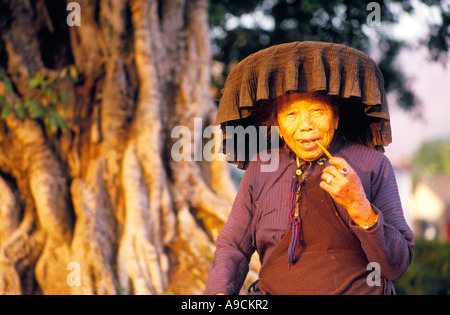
{"type": "Point", "coordinates": [233, 246]}
{"type": "Point", "coordinates": [390, 243]}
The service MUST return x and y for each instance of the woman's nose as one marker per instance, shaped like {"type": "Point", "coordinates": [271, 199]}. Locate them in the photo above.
{"type": "Point", "coordinates": [305, 123]}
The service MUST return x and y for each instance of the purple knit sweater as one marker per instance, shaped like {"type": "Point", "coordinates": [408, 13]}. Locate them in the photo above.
{"type": "Point", "coordinates": [259, 217]}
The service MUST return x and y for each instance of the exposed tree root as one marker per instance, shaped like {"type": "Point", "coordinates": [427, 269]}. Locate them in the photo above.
{"type": "Point", "coordinates": [106, 196]}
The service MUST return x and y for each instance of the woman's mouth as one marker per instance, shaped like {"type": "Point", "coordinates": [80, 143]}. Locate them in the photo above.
{"type": "Point", "coordinates": [308, 144]}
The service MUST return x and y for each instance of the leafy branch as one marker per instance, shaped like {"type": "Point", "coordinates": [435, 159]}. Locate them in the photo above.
{"type": "Point", "coordinates": [42, 105]}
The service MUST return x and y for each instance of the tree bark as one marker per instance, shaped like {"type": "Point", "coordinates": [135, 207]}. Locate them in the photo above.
{"type": "Point", "coordinates": [103, 208]}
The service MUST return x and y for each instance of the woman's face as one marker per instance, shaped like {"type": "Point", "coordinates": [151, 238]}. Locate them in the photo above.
{"type": "Point", "coordinates": [303, 119]}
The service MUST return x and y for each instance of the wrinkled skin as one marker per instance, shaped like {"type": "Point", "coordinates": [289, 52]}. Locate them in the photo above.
{"type": "Point", "coordinates": [304, 119]}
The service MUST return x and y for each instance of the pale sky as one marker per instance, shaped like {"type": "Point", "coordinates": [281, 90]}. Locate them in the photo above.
{"type": "Point", "coordinates": [431, 83]}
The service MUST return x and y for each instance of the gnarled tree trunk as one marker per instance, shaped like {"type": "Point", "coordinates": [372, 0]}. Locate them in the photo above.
{"type": "Point", "coordinates": [103, 208]}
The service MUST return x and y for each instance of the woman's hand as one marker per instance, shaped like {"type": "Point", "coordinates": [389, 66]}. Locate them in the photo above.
{"type": "Point", "coordinates": [347, 191]}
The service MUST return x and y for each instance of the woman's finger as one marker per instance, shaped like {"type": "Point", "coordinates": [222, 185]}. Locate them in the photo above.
{"type": "Point", "coordinates": [327, 177]}
{"type": "Point", "coordinates": [331, 170]}
{"type": "Point", "coordinates": [339, 162]}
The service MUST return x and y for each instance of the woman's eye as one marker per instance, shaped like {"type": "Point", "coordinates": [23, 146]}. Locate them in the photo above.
{"type": "Point", "coordinates": [318, 112]}
{"type": "Point", "coordinates": [289, 115]}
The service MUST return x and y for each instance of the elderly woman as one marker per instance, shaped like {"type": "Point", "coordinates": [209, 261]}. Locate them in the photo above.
{"type": "Point", "coordinates": [328, 219]}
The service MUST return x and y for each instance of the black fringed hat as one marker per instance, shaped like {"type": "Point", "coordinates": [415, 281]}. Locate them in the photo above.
{"type": "Point", "coordinates": [346, 74]}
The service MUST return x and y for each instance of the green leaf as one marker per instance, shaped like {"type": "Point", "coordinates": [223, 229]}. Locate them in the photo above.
{"type": "Point", "coordinates": [62, 123]}
{"type": "Point", "coordinates": [54, 100]}
{"type": "Point", "coordinates": [56, 121]}
{"type": "Point", "coordinates": [6, 110]}
{"type": "Point", "coordinates": [64, 96]}
{"type": "Point", "coordinates": [35, 81]}
{"type": "Point", "coordinates": [6, 81]}
{"type": "Point", "coordinates": [32, 104]}
{"type": "Point", "coordinates": [19, 110]}
{"type": "Point", "coordinates": [36, 110]}
{"type": "Point", "coordinates": [8, 85]}
{"type": "Point", "coordinates": [73, 72]}
{"type": "Point", "coordinates": [48, 92]}
{"type": "Point", "coordinates": [27, 102]}
{"type": "Point", "coordinates": [49, 124]}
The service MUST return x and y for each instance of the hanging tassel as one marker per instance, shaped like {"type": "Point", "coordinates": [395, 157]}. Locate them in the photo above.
{"type": "Point", "coordinates": [298, 180]}
{"type": "Point", "coordinates": [294, 219]}
{"type": "Point", "coordinates": [294, 241]}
